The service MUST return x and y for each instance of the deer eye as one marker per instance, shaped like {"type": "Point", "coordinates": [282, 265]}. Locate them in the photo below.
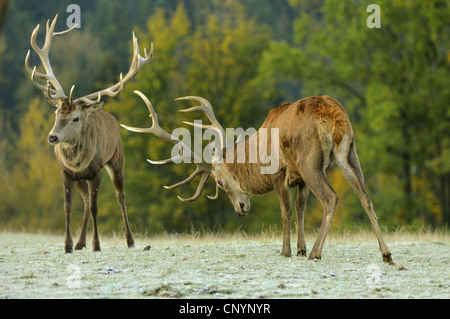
{"type": "Point", "coordinates": [76, 119]}
{"type": "Point", "coordinates": [219, 182]}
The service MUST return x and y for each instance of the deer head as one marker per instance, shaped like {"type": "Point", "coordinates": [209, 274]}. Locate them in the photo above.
{"type": "Point", "coordinates": [230, 184]}
{"type": "Point", "coordinates": [72, 113]}
{"type": "Point", "coordinates": [217, 169]}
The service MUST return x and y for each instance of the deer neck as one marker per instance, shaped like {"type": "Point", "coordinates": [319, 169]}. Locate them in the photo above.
{"type": "Point", "coordinates": [77, 153]}
{"type": "Point", "coordinates": [246, 166]}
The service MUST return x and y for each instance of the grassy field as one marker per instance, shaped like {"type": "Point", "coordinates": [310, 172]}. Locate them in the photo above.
{"type": "Point", "coordinates": [224, 266]}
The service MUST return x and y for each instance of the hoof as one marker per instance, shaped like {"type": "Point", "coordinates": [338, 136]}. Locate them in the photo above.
{"type": "Point", "coordinates": [314, 257]}
{"type": "Point", "coordinates": [80, 246]}
{"type": "Point", "coordinates": [387, 258]}
{"type": "Point", "coordinates": [301, 252]}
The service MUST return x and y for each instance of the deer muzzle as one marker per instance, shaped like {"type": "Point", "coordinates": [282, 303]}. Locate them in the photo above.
{"type": "Point", "coordinates": [243, 209]}
{"type": "Point", "coordinates": [53, 139]}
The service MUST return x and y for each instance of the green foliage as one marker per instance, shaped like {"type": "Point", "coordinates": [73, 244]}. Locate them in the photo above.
{"type": "Point", "coordinates": [394, 81]}
{"type": "Point", "coordinates": [214, 61]}
{"type": "Point", "coordinates": [245, 58]}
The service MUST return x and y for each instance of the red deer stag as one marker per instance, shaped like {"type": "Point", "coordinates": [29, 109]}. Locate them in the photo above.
{"type": "Point", "coordinates": [86, 138]}
{"type": "Point", "coordinates": [313, 134]}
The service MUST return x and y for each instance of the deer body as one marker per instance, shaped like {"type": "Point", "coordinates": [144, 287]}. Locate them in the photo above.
{"type": "Point", "coordinates": [82, 152]}
{"type": "Point", "coordinates": [308, 132]}
{"type": "Point", "coordinates": [311, 131]}
{"type": "Point", "coordinates": [93, 146]}
{"type": "Point", "coordinates": [86, 138]}
{"type": "Point", "coordinates": [313, 134]}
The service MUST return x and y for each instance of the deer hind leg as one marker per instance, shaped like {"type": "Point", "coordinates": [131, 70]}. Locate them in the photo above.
{"type": "Point", "coordinates": [93, 187]}
{"type": "Point", "coordinates": [300, 205]}
{"type": "Point", "coordinates": [319, 185]}
{"type": "Point", "coordinates": [312, 170]}
{"type": "Point", "coordinates": [118, 180]}
{"type": "Point", "coordinates": [83, 189]}
{"type": "Point", "coordinates": [68, 194]}
{"type": "Point", "coordinates": [348, 163]}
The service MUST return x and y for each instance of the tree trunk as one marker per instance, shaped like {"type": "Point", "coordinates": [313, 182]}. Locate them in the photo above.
{"type": "Point", "coordinates": [445, 198]}
{"type": "Point", "coordinates": [3, 9]}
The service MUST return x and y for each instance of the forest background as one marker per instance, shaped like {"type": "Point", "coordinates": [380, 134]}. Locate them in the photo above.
{"type": "Point", "coordinates": [246, 57]}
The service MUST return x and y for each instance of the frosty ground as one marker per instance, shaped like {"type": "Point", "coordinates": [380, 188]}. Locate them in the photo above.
{"type": "Point", "coordinates": [35, 266]}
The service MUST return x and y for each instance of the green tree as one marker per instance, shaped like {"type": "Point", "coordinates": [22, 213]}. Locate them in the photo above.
{"type": "Point", "coordinates": [32, 189]}
{"type": "Point", "coordinates": [394, 82]}
{"type": "Point", "coordinates": [217, 60]}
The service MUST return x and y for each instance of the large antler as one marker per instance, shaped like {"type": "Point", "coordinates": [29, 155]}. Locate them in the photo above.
{"type": "Point", "coordinates": [206, 108]}
{"type": "Point", "coordinates": [202, 168]}
{"type": "Point", "coordinates": [57, 91]}
{"type": "Point", "coordinates": [137, 63]}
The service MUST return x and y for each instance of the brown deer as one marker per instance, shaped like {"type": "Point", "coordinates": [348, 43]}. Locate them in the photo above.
{"type": "Point", "coordinates": [86, 138]}
{"type": "Point", "coordinates": [313, 134]}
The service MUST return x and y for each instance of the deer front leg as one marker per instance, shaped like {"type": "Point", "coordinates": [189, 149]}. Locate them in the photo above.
{"type": "Point", "coordinates": [83, 189]}
{"type": "Point", "coordinates": [285, 197]}
{"type": "Point", "coordinates": [68, 193]}
{"type": "Point", "coordinates": [94, 185]}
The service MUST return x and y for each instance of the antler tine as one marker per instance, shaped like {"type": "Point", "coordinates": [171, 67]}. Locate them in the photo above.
{"type": "Point", "coordinates": [71, 94]}
{"type": "Point", "coordinates": [206, 108]}
{"type": "Point", "coordinates": [137, 63]}
{"type": "Point", "coordinates": [199, 170]}
{"type": "Point", "coordinates": [216, 196]}
{"type": "Point", "coordinates": [157, 130]}
{"type": "Point", "coordinates": [185, 152]}
{"type": "Point", "coordinates": [43, 53]}
{"type": "Point", "coordinates": [32, 71]}
{"type": "Point", "coordinates": [111, 91]}
{"type": "Point", "coordinates": [199, 190]}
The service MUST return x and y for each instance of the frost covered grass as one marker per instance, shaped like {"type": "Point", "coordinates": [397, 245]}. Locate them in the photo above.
{"type": "Point", "coordinates": [224, 266]}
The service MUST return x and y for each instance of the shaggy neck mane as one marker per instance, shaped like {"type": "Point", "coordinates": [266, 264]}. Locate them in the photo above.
{"type": "Point", "coordinates": [76, 152]}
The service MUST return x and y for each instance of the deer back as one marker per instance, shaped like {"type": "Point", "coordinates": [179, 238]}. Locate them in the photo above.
{"type": "Point", "coordinates": [313, 123]}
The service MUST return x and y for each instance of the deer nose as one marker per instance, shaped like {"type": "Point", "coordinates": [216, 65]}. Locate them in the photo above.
{"type": "Point", "coordinates": [52, 139]}
{"type": "Point", "coordinates": [244, 210]}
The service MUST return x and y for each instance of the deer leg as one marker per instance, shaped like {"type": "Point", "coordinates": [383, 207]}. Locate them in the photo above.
{"type": "Point", "coordinates": [68, 194]}
{"type": "Point", "coordinates": [351, 168]}
{"type": "Point", "coordinates": [285, 197]}
{"type": "Point", "coordinates": [93, 186]}
{"type": "Point", "coordinates": [83, 189]}
{"type": "Point", "coordinates": [118, 182]}
{"type": "Point", "coordinates": [300, 204]}
{"type": "Point", "coordinates": [319, 185]}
